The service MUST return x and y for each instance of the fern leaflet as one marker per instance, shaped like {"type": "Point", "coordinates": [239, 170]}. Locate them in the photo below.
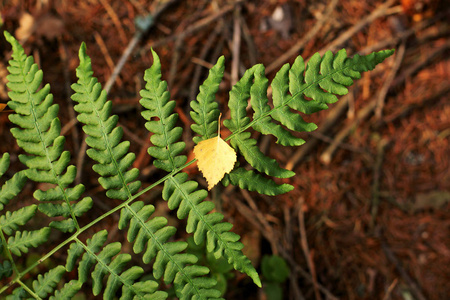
{"type": "Point", "coordinates": [39, 136]}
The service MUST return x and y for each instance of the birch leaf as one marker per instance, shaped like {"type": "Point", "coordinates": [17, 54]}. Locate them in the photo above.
{"type": "Point", "coordinates": [214, 158]}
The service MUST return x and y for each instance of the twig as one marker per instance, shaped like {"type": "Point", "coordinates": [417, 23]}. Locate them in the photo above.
{"type": "Point", "coordinates": [376, 180]}
{"type": "Point", "coordinates": [385, 88]}
{"type": "Point", "coordinates": [441, 91]}
{"type": "Point", "coordinates": [424, 62]}
{"type": "Point", "coordinates": [391, 287]}
{"type": "Point", "coordinates": [207, 65]}
{"type": "Point", "coordinates": [330, 140]}
{"type": "Point", "coordinates": [199, 61]}
{"type": "Point", "coordinates": [275, 241]}
{"type": "Point", "coordinates": [67, 82]}
{"type": "Point", "coordinates": [361, 115]}
{"type": "Point", "coordinates": [115, 20]}
{"type": "Point", "coordinates": [295, 292]}
{"type": "Point", "coordinates": [403, 35]}
{"type": "Point", "coordinates": [174, 62]}
{"type": "Point", "coordinates": [127, 132]}
{"type": "Point", "coordinates": [262, 224]}
{"type": "Point", "coordinates": [195, 27]}
{"type": "Point", "coordinates": [334, 115]}
{"type": "Point", "coordinates": [381, 11]}
{"type": "Point", "coordinates": [305, 247]}
{"type": "Point", "coordinates": [236, 45]}
{"type": "Point", "coordinates": [105, 52]}
{"type": "Point", "coordinates": [80, 159]}
{"type": "Point", "coordinates": [134, 41]}
{"type": "Point", "coordinates": [364, 112]}
{"type": "Point", "coordinates": [415, 289]}
{"type": "Point", "coordinates": [301, 43]}
{"type": "Point", "coordinates": [388, 85]}
{"type": "Point", "coordinates": [249, 41]}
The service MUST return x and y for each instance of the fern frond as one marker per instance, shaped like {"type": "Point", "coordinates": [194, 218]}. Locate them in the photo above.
{"type": "Point", "coordinates": [241, 140]}
{"type": "Point", "coordinates": [108, 261]}
{"type": "Point", "coordinates": [4, 163]}
{"type": "Point", "coordinates": [68, 291]}
{"type": "Point", "coordinates": [11, 221]}
{"type": "Point", "coordinates": [184, 196]}
{"type": "Point", "coordinates": [6, 269]}
{"type": "Point", "coordinates": [39, 135]}
{"type": "Point", "coordinates": [155, 99]}
{"type": "Point", "coordinates": [324, 78]}
{"type": "Point", "coordinates": [22, 240]}
{"type": "Point", "coordinates": [260, 105]}
{"type": "Point", "coordinates": [11, 187]}
{"type": "Point", "coordinates": [104, 135]}
{"type": "Point", "coordinates": [255, 182]}
{"type": "Point", "coordinates": [45, 285]}
{"type": "Point", "coordinates": [169, 261]}
{"type": "Point", "coordinates": [18, 294]}
{"type": "Point", "coordinates": [205, 110]}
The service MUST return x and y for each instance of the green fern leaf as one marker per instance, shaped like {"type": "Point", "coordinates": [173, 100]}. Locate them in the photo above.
{"type": "Point", "coordinates": [146, 290]}
{"type": "Point", "coordinates": [185, 196]}
{"type": "Point", "coordinates": [111, 263]}
{"type": "Point", "coordinates": [199, 287]}
{"type": "Point", "coordinates": [68, 291]}
{"type": "Point", "coordinates": [238, 102]}
{"type": "Point", "coordinates": [93, 245]}
{"type": "Point", "coordinates": [64, 225]}
{"type": "Point", "coordinates": [169, 261]}
{"type": "Point", "coordinates": [323, 78]}
{"type": "Point", "coordinates": [11, 188]}
{"type": "Point", "coordinates": [74, 252]}
{"type": "Point", "coordinates": [252, 181]}
{"type": "Point", "coordinates": [10, 222]}
{"type": "Point", "coordinates": [18, 294]}
{"type": "Point", "coordinates": [102, 267]}
{"type": "Point", "coordinates": [45, 285]}
{"type": "Point", "coordinates": [38, 134]}
{"type": "Point", "coordinates": [239, 95]}
{"type": "Point", "coordinates": [6, 269]}
{"type": "Point", "coordinates": [20, 243]}
{"type": "Point", "coordinates": [259, 102]}
{"type": "Point", "coordinates": [4, 163]}
{"type": "Point", "coordinates": [205, 109]}
{"type": "Point", "coordinates": [103, 134]}
{"type": "Point", "coordinates": [155, 99]}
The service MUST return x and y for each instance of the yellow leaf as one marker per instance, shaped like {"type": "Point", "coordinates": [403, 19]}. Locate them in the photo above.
{"type": "Point", "coordinates": [214, 158]}
{"type": "Point", "coordinates": [2, 106]}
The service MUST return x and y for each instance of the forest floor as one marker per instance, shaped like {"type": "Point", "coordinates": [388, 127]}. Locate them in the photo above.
{"type": "Point", "coordinates": [369, 217]}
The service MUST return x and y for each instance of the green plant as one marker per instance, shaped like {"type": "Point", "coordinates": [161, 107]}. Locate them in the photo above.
{"type": "Point", "coordinates": [104, 264]}
{"type": "Point", "coordinates": [275, 271]}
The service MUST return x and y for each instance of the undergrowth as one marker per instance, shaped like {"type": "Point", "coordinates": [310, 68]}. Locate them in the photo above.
{"type": "Point", "coordinates": [104, 266]}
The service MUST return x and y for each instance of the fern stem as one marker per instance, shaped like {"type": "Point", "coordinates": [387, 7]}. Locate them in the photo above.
{"type": "Point", "coordinates": [92, 223]}
{"type": "Point", "coordinates": [7, 252]}
{"type": "Point", "coordinates": [29, 291]}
